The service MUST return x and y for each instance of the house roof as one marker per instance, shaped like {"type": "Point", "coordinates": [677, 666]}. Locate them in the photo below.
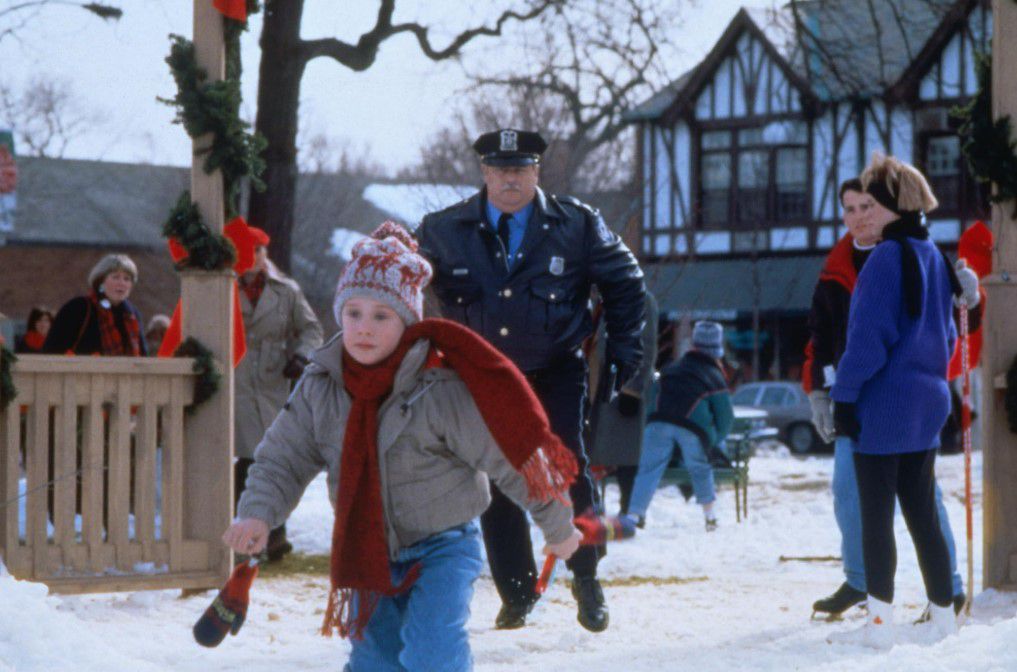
{"type": "Point", "coordinates": [830, 49]}
{"type": "Point", "coordinates": [67, 201]}
{"type": "Point", "coordinates": [724, 288]}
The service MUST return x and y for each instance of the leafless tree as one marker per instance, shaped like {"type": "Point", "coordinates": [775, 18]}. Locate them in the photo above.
{"type": "Point", "coordinates": [17, 14]}
{"type": "Point", "coordinates": [45, 116]}
{"type": "Point", "coordinates": [582, 68]}
{"type": "Point", "coordinates": [323, 153]}
{"type": "Point", "coordinates": [284, 57]}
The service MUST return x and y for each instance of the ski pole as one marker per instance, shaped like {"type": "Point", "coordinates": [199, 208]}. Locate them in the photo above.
{"type": "Point", "coordinates": [966, 431]}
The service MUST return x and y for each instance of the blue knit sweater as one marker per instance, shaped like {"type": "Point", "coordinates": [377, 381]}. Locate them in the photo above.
{"type": "Point", "coordinates": [894, 366]}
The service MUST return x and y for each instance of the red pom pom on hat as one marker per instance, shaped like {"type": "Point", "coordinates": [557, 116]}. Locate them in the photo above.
{"type": "Point", "coordinates": [389, 229]}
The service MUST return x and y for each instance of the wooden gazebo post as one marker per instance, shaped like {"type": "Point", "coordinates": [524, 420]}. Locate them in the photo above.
{"type": "Point", "coordinates": [1000, 327]}
{"type": "Point", "coordinates": [208, 316]}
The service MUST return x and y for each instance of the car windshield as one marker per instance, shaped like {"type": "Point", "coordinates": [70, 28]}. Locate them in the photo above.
{"type": "Point", "coordinates": [746, 396]}
{"type": "Point", "coordinates": [773, 396]}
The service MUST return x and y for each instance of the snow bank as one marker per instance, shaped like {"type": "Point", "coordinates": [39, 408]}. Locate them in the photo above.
{"type": "Point", "coordinates": [36, 634]}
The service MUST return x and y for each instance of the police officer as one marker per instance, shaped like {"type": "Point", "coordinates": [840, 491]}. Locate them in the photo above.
{"type": "Point", "coordinates": [517, 265]}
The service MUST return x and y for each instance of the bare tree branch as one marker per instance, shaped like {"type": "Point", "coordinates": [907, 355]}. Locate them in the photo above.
{"type": "Point", "coordinates": [45, 116]}
{"type": "Point", "coordinates": [361, 55]}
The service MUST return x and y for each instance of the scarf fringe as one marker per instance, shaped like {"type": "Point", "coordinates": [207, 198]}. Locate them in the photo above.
{"type": "Point", "coordinates": [549, 472]}
{"type": "Point", "coordinates": [339, 614]}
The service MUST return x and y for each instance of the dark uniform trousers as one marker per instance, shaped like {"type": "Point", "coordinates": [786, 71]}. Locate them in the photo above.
{"type": "Point", "coordinates": [562, 391]}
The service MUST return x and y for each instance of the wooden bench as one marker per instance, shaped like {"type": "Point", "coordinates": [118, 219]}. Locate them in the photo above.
{"type": "Point", "coordinates": [729, 467]}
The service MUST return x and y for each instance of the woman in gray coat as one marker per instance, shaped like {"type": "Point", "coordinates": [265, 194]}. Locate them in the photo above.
{"type": "Point", "coordinates": [281, 331]}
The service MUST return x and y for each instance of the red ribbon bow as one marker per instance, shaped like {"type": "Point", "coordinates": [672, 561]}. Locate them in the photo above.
{"type": "Point", "coordinates": [232, 9]}
{"type": "Point", "coordinates": [243, 240]}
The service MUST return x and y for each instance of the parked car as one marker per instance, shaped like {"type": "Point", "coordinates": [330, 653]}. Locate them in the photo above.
{"type": "Point", "coordinates": [787, 409]}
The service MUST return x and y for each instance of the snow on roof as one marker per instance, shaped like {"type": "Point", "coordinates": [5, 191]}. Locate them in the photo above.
{"type": "Point", "coordinates": [408, 203]}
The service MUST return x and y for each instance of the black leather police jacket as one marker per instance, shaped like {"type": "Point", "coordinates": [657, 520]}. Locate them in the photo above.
{"type": "Point", "coordinates": [536, 309]}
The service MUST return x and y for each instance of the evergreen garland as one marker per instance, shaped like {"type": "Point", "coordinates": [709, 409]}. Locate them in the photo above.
{"type": "Point", "coordinates": [213, 108]}
{"type": "Point", "coordinates": [205, 251]}
{"type": "Point", "coordinates": [205, 107]}
{"type": "Point", "coordinates": [208, 380]}
{"type": "Point", "coordinates": [7, 389]}
{"type": "Point", "coordinates": [232, 31]}
{"type": "Point", "coordinates": [988, 144]}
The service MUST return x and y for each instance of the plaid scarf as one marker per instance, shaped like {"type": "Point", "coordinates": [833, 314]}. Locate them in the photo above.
{"type": "Point", "coordinates": [360, 570]}
{"type": "Point", "coordinates": [110, 336]}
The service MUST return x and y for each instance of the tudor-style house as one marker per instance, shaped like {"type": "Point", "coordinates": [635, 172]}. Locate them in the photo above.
{"type": "Point", "coordinates": [740, 159]}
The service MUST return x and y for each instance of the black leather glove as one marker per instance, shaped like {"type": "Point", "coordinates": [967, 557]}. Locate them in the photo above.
{"type": "Point", "coordinates": [845, 420]}
{"type": "Point", "coordinates": [628, 404]}
{"type": "Point", "coordinates": [295, 367]}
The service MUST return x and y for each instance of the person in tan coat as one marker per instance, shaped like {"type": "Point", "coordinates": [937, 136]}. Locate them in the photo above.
{"type": "Point", "coordinates": [281, 331]}
{"type": "Point", "coordinates": [410, 418]}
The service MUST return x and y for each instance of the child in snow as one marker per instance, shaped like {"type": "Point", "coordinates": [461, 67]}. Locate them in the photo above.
{"type": "Point", "coordinates": [410, 418]}
{"type": "Point", "coordinates": [891, 397]}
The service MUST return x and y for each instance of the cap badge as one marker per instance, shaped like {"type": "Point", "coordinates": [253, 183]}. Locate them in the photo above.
{"type": "Point", "coordinates": [509, 141]}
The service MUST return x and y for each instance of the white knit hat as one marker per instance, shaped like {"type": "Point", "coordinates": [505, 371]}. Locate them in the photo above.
{"type": "Point", "coordinates": [708, 337]}
{"type": "Point", "coordinates": [386, 267]}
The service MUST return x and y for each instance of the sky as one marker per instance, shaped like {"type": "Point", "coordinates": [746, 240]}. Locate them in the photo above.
{"type": "Point", "coordinates": [116, 71]}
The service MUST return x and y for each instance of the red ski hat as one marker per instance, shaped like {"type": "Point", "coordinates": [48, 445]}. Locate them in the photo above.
{"type": "Point", "coordinates": [975, 246]}
{"type": "Point", "coordinates": [261, 239]}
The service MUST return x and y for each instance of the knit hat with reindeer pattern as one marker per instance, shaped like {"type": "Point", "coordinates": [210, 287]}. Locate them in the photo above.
{"type": "Point", "coordinates": [385, 267]}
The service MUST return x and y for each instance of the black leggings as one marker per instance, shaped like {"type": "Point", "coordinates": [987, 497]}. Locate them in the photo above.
{"type": "Point", "coordinates": [909, 478]}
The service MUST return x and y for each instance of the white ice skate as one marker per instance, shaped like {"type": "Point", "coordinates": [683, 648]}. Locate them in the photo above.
{"type": "Point", "coordinates": [878, 631]}
{"type": "Point", "coordinates": [941, 624]}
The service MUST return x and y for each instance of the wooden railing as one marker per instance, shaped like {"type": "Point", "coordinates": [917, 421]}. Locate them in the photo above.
{"type": "Point", "coordinates": [92, 476]}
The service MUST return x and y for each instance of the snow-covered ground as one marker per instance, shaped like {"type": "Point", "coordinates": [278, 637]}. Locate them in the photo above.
{"type": "Point", "coordinates": [680, 598]}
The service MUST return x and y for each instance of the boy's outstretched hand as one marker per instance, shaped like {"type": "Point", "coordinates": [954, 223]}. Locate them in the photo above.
{"type": "Point", "coordinates": [247, 536]}
{"type": "Point", "coordinates": [565, 549]}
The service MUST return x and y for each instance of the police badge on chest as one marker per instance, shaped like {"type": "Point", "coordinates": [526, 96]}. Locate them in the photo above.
{"type": "Point", "coordinates": [556, 266]}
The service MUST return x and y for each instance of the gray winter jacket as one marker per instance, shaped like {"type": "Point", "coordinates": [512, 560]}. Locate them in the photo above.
{"type": "Point", "coordinates": [434, 450]}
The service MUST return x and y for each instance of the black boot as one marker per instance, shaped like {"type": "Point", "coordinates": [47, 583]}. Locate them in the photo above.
{"type": "Point", "coordinates": [512, 616]}
{"type": "Point", "coordinates": [842, 600]}
{"type": "Point", "coordinates": [592, 611]}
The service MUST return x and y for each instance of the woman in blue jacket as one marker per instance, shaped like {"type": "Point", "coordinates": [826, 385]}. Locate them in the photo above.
{"type": "Point", "coordinates": [892, 398]}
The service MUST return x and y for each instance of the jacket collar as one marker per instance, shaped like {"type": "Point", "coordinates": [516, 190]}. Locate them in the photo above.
{"type": "Point", "coordinates": [472, 210]}
{"type": "Point", "coordinates": [840, 266]}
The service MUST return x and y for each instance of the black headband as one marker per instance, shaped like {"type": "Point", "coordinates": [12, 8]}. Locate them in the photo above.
{"type": "Point", "coordinates": [879, 191]}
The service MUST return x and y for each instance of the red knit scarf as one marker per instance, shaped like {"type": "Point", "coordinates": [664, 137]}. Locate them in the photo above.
{"type": "Point", "coordinates": [510, 410]}
{"type": "Point", "coordinates": [110, 336]}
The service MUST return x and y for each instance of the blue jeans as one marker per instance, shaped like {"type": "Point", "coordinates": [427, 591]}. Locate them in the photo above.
{"type": "Point", "coordinates": [425, 628]}
{"type": "Point", "coordinates": [659, 441]}
{"type": "Point", "coordinates": [848, 513]}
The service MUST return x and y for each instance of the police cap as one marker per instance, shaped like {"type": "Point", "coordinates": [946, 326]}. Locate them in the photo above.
{"type": "Point", "coordinates": [510, 147]}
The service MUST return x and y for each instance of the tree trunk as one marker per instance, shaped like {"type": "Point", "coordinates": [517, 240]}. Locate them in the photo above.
{"type": "Point", "coordinates": [281, 70]}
